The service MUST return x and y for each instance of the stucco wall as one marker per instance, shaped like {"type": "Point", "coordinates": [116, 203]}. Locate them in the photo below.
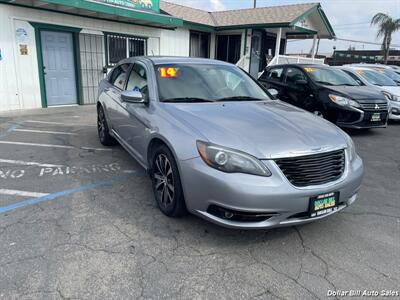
{"type": "Point", "coordinates": [19, 81]}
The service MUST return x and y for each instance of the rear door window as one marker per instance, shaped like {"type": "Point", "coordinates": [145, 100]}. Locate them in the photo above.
{"type": "Point", "coordinates": [274, 74]}
{"type": "Point", "coordinates": [119, 76]}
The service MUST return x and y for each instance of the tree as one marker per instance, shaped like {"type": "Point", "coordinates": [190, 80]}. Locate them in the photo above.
{"type": "Point", "coordinates": [386, 27]}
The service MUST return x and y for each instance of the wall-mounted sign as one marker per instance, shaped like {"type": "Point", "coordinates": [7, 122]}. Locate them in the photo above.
{"type": "Point", "coordinates": [21, 35]}
{"type": "Point", "coordinates": [152, 5]}
{"type": "Point", "coordinates": [23, 49]}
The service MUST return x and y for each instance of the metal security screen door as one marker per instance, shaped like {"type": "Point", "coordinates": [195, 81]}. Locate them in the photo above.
{"type": "Point", "coordinates": [59, 68]}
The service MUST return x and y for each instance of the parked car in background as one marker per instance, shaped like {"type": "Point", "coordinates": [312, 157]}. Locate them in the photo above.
{"type": "Point", "coordinates": [370, 77]}
{"type": "Point", "coordinates": [383, 69]}
{"type": "Point", "coordinates": [328, 92]}
{"type": "Point", "coordinates": [395, 68]}
{"type": "Point", "coordinates": [215, 144]}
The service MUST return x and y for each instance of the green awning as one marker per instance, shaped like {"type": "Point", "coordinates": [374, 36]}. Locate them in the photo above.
{"type": "Point", "coordinates": [103, 10]}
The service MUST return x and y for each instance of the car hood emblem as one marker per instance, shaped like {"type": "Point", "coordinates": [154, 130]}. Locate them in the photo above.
{"type": "Point", "coordinates": [376, 106]}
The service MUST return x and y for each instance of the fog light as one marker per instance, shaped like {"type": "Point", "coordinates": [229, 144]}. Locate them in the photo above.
{"type": "Point", "coordinates": [228, 215]}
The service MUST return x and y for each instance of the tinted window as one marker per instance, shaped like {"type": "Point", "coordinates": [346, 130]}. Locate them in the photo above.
{"type": "Point", "coordinates": [137, 79]}
{"type": "Point", "coordinates": [330, 76]}
{"type": "Point", "coordinates": [205, 81]}
{"type": "Point", "coordinates": [354, 77]}
{"type": "Point", "coordinates": [294, 74]}
{"type": "Point", "coordinates": [274, 74]}
{"type": "Point", "coordinates": [376, 78]}
{"type": "Point", "coordinates": [118, 77]}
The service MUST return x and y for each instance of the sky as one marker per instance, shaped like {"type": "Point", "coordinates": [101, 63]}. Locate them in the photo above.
{"type": "Point", "coordinates": [350, 19]}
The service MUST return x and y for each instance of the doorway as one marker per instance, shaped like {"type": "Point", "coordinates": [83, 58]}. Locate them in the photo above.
{"type": "Point", "coordinates": [59, 67]}
{"type": "Point", "coordinates": [228, 48]}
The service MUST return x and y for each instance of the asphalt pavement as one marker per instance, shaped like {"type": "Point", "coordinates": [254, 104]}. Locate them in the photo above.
{"type": "Point", "coordinates": [79, 221]}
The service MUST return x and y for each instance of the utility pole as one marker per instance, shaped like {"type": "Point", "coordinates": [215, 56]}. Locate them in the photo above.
{"type": "Point", "coordinates": [255, 3]}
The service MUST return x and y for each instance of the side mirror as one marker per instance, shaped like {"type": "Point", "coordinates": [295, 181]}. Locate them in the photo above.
{"type": "Point", "coordinates": [132, 97]}
{"type": "Point", "coordinates": [301, 82]}
{"type": "Point", "coordinates": [273, 92]}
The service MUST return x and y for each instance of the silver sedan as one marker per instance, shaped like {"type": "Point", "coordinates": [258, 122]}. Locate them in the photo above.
{"type": "Point", "coordinates": [217, 145]}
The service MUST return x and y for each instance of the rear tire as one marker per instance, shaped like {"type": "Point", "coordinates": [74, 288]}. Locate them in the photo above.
{"type": "Point", "coordinates": [103, 130]}
{"type": "Point", "coordinates": [167, 183]}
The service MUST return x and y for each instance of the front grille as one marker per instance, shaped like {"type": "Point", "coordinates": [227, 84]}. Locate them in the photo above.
{"type": "Point", "coordinates": [373, 106]}
{"type": "Point", "coordinates": [313, 169]}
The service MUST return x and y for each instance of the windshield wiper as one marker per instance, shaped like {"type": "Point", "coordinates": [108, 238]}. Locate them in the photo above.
{"type": "Point", "coordinates": [240, 98]}
{"type": "Point", "coordinates": [348, 84]}
{"type": "Point", "coordinates": [187, 99]}
{"type": "Point", "coordinates": [324, 82]}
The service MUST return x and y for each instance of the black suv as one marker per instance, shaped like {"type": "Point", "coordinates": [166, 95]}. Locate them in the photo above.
{"type": "Point", "coordinates": [329, 93]}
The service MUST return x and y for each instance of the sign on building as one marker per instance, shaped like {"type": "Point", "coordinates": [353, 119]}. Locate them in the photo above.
{"type": "Point", "coordinates": [153, 5]}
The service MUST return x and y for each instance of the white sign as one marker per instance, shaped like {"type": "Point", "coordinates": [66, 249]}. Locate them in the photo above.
{"type": "Point", "coordinates": [21, 35]}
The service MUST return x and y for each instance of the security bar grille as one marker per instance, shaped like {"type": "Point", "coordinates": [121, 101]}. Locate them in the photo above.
{"type": "Point", "coordinates": [121, 47]}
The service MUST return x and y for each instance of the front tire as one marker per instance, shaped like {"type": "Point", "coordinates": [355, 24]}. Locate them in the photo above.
{"type": "Point", "coordinates": [167, 183]}
{"type": "Point", "coordinates": [103, 130]}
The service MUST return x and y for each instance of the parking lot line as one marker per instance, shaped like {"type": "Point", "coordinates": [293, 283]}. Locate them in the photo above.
{"type": "Point", "coordinates": [29, 163]}
{"type": "Point", "coordinates": [57, 123]}
{"type": "Point", "coordinates": [53, 196]}
{"type": "Point", "coordinates": [21, 193]}
{"type": "Point", "coordinates": [53, 146]}
{"type": "Point", "coordinates": [44, 131]}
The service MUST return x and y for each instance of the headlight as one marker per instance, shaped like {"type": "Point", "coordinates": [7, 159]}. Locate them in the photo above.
{"type": "Point", "coordinates": [231, 161]}
{"type": "Point", "coordinates": [391, 97]}
{"type": "Point", "coordinates": [343, 101]}
{"type": "Point", "coordinates": [350, 147]}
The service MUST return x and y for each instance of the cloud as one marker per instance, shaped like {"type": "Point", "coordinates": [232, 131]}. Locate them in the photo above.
{"type": "Point", "coordinates": [207, 5]}
{"type": "Point", "coordinates": [217, 5]}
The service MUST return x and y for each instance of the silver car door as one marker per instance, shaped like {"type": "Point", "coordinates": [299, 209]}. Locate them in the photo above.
{"type": "Point", "coordinates": [133, 126]}
{"type": "Point", "coordinates": [115, 109]}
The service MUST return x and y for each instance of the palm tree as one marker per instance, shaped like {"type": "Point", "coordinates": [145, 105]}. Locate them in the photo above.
{"type": "Point", "coordinates": [387, 26]}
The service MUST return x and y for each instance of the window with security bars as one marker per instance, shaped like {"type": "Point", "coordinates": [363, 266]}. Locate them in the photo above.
{"type": "Point", "coordinates": [120, 47]}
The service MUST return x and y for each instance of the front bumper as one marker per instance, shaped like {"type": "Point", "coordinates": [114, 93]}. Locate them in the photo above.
{"type": "Point", "coordinates": [395, 110]}
{"type": "Point", "coordinates": [287, 205]}
{"type": "Point", "coordinates": [359, 119]}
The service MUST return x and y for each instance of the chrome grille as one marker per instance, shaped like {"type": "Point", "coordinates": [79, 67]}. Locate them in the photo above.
{"type": "Point", "coordinates": [313, 169]}
{"type": "Point", "coordinates": [373, 106]}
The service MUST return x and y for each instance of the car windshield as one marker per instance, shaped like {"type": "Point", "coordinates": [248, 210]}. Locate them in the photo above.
{"type": "Point", "coordinates": [330, 76]}
{"type": "Point", "coordinates": [206, 82]}
{"type": "Point", "coordinates": [389, 73]}
{"type": "Point", "coordinates": [376, 78]}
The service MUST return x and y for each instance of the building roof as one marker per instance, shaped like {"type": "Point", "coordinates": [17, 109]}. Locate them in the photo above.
{"type": "Point", "coordinates": [187, 13]}
{"type": "Point", "coordinates": [263, 15]}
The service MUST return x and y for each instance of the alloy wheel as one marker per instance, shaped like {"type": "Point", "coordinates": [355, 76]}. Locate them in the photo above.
{"type": "Point", "coordinates": [164, 180]}
{"type": "Point", "coordinates": [101, 124]}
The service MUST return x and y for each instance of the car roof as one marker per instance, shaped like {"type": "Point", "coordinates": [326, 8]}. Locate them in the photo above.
{"type": "Point", "coordinates": [159, 60]}
{"type": "Point", "coordinates": [301, 65]}
{"type": "Point", "coordinates": [370, 66]}
{"type": "Point", "coordinates": [358, 67]}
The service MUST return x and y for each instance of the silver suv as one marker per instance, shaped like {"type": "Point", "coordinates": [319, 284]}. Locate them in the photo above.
{"type": "Point", "coordinates": [215, 144]}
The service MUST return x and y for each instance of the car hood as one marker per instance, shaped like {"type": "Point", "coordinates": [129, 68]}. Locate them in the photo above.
{"type": "Point", "coordinates": [395, 90]}
{"type": "Point", "coordinates": [358, 92]}
{"type": "Point", "coordinates": [264, 129]}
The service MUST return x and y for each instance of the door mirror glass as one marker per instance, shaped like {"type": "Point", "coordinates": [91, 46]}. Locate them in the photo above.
{"type": "Point", "coordinates": [273, 92]}
{"type": "Point", "coordinates": [132, 97]}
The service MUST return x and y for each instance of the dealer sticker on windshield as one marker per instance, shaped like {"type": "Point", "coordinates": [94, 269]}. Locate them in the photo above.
{"type": "Point", "coordinates": [323, 204]}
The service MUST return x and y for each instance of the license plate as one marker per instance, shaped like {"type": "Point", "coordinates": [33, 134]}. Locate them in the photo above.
{"type": "Point", "coordinates": [376, 117]}
{"type": "Point", "coordinates": [323, 204]}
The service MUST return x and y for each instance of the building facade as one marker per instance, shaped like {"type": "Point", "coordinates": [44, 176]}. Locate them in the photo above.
{"type": "Point", "coordinates": [55, 52]}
